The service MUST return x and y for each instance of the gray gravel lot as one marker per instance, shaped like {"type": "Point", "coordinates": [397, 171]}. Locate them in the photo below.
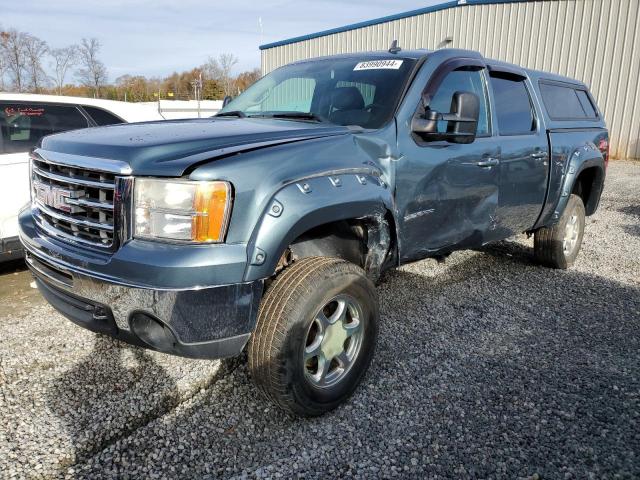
{"type": "Point", "coordinates": [488, 366]}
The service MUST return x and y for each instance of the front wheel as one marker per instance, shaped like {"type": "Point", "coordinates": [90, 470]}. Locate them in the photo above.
{"type": "Point", "coordinates": [315, 335]}
{"type": "Point", "coordinates": [558, 246]}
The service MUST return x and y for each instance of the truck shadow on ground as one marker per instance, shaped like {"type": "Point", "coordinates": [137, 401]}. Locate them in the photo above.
{"type": "Point", "coordinates": [632, 211]}
{"type": "Point", "coordinates": [12, 266]}
{"type": "Point", "coordinates": [489, 365]}
{"type": "Point", "coordinates": [110, 393]}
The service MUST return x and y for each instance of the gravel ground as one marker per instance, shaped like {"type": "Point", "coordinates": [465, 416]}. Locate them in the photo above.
{"type": "Point", "coordinates": [488, 366]}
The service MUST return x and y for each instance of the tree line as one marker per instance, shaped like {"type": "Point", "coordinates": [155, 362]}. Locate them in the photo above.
{"type": "Point", "coordinates": [29, 64]}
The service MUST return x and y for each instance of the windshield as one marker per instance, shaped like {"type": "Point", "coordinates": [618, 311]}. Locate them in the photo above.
{"type": "Point", "coordinates": [343, 91]}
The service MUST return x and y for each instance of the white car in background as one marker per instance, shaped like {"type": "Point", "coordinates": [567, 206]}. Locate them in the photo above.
{"type": "Point", "coordinates": [24, 120]}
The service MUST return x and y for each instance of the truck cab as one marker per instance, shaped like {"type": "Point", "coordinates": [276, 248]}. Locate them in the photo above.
{"type": "Point", "coordinates": [266, 226]}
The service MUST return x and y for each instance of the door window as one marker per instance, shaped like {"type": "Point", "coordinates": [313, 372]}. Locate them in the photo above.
{"type": "Point", "coordinates": [513, 105]}
{"type": "Point", "coordinates": [462, 80]}
{"type": "Point", "coordinates": [22, 125]}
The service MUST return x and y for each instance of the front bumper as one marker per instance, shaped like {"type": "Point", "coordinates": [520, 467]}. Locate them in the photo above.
{"type": "Point", "coordinates": [189, 320]}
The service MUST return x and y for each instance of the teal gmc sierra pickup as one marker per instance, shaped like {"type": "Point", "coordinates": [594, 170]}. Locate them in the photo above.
{"type": "Point", "coordinates": [266, 227]}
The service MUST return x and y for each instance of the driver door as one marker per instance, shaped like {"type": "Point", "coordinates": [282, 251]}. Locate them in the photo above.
{"type": "Point", "coordinates": [447, 193]}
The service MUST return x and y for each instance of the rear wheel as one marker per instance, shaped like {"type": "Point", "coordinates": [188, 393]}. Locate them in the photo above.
{"type": "Point", "coordinates": [558, 246]}
{"type": "Point", "coordinates": [315, 336]}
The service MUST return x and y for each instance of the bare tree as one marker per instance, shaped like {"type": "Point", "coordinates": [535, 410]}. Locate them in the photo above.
{"type": "Point", "coordinates": [13, 51]}
{"type": "Point", "coordinates": [220, 69]}
{"type": "Point", "coordinates": [35, 50]}
{"type": "Point", "coordinates": [227, 61]}
{"type": "Point", "coordinates": [94, 73]}
{"type": "Point", "coordinates": [3, 63]}
{"type": "Point", "coordinates": [212, 69]}
{"type": "Point", "coordinates": [3, 70]}
{"type": "Point", "coordinates": [63, 60]}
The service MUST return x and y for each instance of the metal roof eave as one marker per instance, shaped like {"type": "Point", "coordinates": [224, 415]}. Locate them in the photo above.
{"type": "Point", "coordinates": [388, 18]}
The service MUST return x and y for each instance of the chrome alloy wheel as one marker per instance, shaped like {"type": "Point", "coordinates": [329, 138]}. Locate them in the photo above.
{"type": "Point", "coordinates": [333, 341]}
{"type": "Point", "coordinates": [571, 234]}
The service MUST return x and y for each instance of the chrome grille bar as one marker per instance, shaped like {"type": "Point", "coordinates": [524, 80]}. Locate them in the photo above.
{"type": "Point", "coordinates": [74, 202]}
{"type": "Point", "coordinates": [89, 203]}
{"type": "Point", "coordinates": [85, 223]}
{"type": "Point", "coordinates": [62, 235]}
{"type": "Point", "coordinates": [72, 179]}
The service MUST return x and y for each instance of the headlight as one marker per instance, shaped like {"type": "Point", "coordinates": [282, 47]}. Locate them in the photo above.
{"type": "Point", "coordinates": [181, 210]}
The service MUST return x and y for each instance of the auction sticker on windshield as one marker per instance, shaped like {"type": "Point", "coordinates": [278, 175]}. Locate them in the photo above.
{"type": "Point", "coordinates": [378, 64]}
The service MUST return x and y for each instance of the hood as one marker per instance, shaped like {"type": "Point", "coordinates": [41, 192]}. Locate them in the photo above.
{"type": "Point", "coordinates": [169, 148]}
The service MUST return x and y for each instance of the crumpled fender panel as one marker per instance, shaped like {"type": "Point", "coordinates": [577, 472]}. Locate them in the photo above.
{"type": "Point", "coordinates": [310, 202]}
{"type": "Point", "coordinates": [567, 163]}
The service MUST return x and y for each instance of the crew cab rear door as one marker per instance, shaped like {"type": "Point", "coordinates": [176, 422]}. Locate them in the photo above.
{"type": "Point", "coordinates": [524, 151]}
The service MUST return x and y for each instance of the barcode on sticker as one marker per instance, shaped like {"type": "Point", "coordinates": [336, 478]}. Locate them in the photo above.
{"type": "Point", "coordinates": [378, 64]}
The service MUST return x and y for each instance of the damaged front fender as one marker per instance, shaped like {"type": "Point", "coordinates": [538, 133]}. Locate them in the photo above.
{"type": "Point", "coordinates": [302, 205]}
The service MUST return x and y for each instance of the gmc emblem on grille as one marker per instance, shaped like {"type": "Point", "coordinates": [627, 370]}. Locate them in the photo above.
{"type": "Point", "coordinates": [54, 197]}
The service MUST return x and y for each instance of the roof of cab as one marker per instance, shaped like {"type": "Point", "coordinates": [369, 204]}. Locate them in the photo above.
{"type": "Point", "coordinates": [450, 53]}
{"type": "Point", "coordinates": [417, 54]}
{"type": "Point", "coordinates": [130, 112]}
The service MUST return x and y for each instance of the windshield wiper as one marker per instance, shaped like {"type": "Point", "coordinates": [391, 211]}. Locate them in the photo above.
{"type": "Point", "coordinates": [232, 113]}
{"type": "Point", "coordinates": [293, 116]}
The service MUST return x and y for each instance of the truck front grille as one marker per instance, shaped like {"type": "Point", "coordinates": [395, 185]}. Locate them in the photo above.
{"type": "Point", "coordinates": [74, 203]}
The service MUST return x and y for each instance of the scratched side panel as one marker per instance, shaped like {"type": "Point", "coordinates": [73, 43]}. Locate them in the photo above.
{"type": "Point", "coordinates": [571, 152]}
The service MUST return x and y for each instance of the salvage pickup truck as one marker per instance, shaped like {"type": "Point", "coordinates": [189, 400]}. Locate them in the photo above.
{"type": "Point", "coordinates": [267, 225]}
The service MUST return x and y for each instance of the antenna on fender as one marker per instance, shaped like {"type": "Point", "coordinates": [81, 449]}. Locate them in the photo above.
{"type": "Point", "coordinates": [394, 47]}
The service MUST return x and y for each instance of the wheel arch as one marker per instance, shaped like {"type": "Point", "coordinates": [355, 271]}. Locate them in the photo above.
{"type": "Point", "coordinates": [348, 215]}
{"type": "Point", "coordinates": [585, 177]}
{"type": "Point", "coordinates": [588, 186]}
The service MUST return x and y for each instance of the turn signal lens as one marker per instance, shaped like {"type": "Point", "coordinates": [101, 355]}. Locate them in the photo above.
{"type": "Point", "coordinates": [211, 201]}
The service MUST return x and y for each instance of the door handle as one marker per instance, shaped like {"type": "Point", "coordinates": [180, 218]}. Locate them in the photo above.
{"type": "Point", "coordinates": [488, 162]}
{"type": "Point", "coordinates": [539, 155]}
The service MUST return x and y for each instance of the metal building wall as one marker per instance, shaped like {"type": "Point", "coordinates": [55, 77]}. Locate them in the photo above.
{"type": "Point", "coordinates": [596, 41]}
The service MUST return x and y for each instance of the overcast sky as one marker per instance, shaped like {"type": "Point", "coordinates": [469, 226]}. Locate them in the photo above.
{"type": "Point", "coordinates": [157, 37]}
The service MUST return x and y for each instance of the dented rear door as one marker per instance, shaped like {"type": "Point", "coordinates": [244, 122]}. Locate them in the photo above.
{"type": "Point", "coordinates": [524, 152]}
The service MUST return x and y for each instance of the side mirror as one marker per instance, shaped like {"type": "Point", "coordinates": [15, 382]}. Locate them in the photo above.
{"type": "Point", "coordinates": [226, 100]}
{"type": "Point", "coordinates": [462, 122]}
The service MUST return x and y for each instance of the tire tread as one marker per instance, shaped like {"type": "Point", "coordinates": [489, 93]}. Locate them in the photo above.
{"type": "Point", "coordinates": [276, 311]}
{"type": "Point", "coordinates": [270, 333]}
{"type": "Point", "coordinates": [547, 241]}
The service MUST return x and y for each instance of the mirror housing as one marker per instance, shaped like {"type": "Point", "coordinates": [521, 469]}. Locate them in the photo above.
{"type": "Point", "coordinates": [226, 100]}
{"type": "Point", "coordinates": [462, 122]}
